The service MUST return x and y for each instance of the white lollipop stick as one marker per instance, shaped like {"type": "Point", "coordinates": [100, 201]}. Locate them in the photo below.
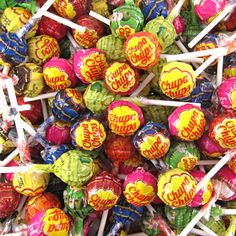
{"type": "Point", "coordinates": [151, 210]}
{"type": "Point", "coordinates": [192, 60]}
{"type": "Point", "coordinates": [75, 45]}
{"type": "Point", "coordinates": [42, 96]}
{"type": "Point", "coordinates": [28, 128]}
{"type": "Point", "coordinates": [6, 70]}
{"type": "Point", "coordinates": [14, 169]}
{"type": "Point", "coordinates": [103, 223]}
{"type": "Point", "coordinates": [207, 29]}
{"type": "Point", "coordinates": [206, 229]}
{"type": "Point", "coordinates": [4, 106]}
{"type": "Point", "coordinates": [228, 211]}
{"type": "Point", "coordinates": [207, 162]}
{"type": "Point", "coordinates": [219, 71]}
{"type": "Point", "coordinates": [44, 108]}
{"type": "Point", "coordinates": [10, 157]}
{"type": "Point", "coordinates": [100, 17]}
{"type": "Point", "coordinates": [199, 232]}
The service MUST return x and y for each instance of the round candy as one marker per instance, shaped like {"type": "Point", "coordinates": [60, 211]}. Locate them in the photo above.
{"type": "Point", "coordinates": [142, 50]}
{"type": "Point", "coordinates": [126, 19]}
{"type": "Point", "coordinates": [176, 187]}
{"type": "Point", "coordinates": [29, 77]}
{"type": "Point", "coordinates": [227, 94]}
{"type": "Point", "coordinates": [42, 48]}
{"type": "Point", "coordinates": [131, 164]}
{"type": "Point", "coordinates": [67, 105]}
{"type": "Point", "coordinates": [187, 122]}
{"type": "Point", "coordinates": [94, 31]}
{"type": "Point", "coordinates": [41, 202]}
{"type": "Point", "coordinates": [88, 133]}
{"type": "Point", "coordinates": [30, 184]}
{"type": "Point", "coordinates": [222, 130]}
{"type": "Point", "coordinates": [124, 118]}
{"type": "Point", "coordinates": [140, 187]}
{"type": "Point", "coordinates": [183, 155]}
{"type": "Point", "coordinates": [121, 78]}
{"type": "Point", "coordinates": [59, 133]}
{"type": "Point", "coordinates": [59, 74]}
{"type": "Point", "coordinates": [52, 28]}
{"type": "Point", "coordinates": [103, 191]}
{"type": "Point", "coordinates": [177, 80]}
{"type": "Point", "coordinates": [89, 64]}
{"type": "Point", "coordinates": [9, 200]}
{"type": "Point", "coordinates": [232, 164]}
{"type": "Point", "coordinates": [52, 222]}
{"type": "Point", "coordinates": [204, 194]}
{"type": "Point", "coordinates": [152, 140]}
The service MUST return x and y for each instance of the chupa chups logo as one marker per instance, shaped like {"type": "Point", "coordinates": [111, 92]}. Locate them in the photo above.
{"type": "Point", "coordinates": [87, 38]}
{"type": "Point", "coordinates": [232, 163]}
{"type": "Point", "coordinates": [75, 96]}
{"type": "Point", "coordinates": [65, 8]}
{"type": "Point", "coordinates": [187, 163]}
{"type": "Point", "coordinates": [24, 16]}
{"type": "Point", "coordinates": [125, 31]}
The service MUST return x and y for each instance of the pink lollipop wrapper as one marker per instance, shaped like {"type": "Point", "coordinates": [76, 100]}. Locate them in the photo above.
{"type": "Point", "coordinates": [89, 64]}
{"type": "Point", "coordinates": [9, 176]}
{"type": "Point", "coordinates": [140, 187]}
{"type": "Point", "coordinates": [227, 93]}
{"type": "Point", "coordinates": [209, 8]}
{"type": "Point", "coordinates": [179, 24]}
{"type": "Point", "coordinates": [35, 227]}
{"type": "Point", "coordinates": [59, 74]}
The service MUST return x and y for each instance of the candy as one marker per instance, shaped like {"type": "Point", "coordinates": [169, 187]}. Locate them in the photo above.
{"type": "Point", "coordinates": [183, 155]}
{"type": "Point", "coordinates": [142, 50]}
{"type": "Point", "coordinates": [89, 65]}
{"type": "Point", "coordinates": [176, 187]}
{"type": "Point", "coordinates": [232, 164]}
{"type": "Point", "coordinates": [124, 118]}
{"type": "Point", "coordinates": [152, 141]}
{"type": "Point", "coordinates": [187, 122]}
{"type": "Point", "coordinates": [59, 74]}
{"type": "Point", "coordinates": [121, 78]}
{"type": "Point", "coordinates": [101, 7]}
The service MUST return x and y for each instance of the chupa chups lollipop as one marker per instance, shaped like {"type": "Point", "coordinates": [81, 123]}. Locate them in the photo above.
{"type": "Point", "coordinates": [124, 118]}
{"type": "Point", "coordinates": [30, 5]}
{"type": "Point", "coordinates": [142, 50]}
{"type": "Point", "coordinates": [121, 78]}
{"type": "Point", "coordinates": [101, 7]}
{"type": "Point", "coordinates": [30, 184]}
{"type": "Point", "coordinates": [54, 221]}
{"type": "Point", "coordinates": [226, 94]}
{"type": "Point", "coordinates": [187, 123]}
{"type": "Point", "coordinates": [67, 105]}
{"type": "Point", "coordinates": [89, 64]}
{"type": "Point", "coordinates": [94, 31]}
{"type": "Point", "coordinates": [203, 195]}
{"type": "Point", "coordinates": [59, 74]}
{"type": "Point", "coordinates": [9, 200]}
{"type": "Point", "coordinates": [176, 187]}
{"type": "Point", "coordinates": [42, 48]}
{"type": "Point", "coordinates": [29, 79]}
{"type": "Point", "coordinates": [116, 3]}
{"type": "Point", "coordinates": [88, 133]}
{"type": "Point", "coordinates": [229, 24]}
{"type": "Point", "coordinates": [41, 202]}
{"type": "Point", "coordinates": [140, 187]}
{"type": "Point", "coordinates": [182, 155]}
{"type": "Point", "coordinates": [232, 164]}
{"type": "Point", "coordinates": [222, 128]}
{"type": "Point", "coordinates": [71, 9]}
{"type": "Point", "coordinates": [152, 141]}
{"type": "Point", "coordinates": [52, 28]}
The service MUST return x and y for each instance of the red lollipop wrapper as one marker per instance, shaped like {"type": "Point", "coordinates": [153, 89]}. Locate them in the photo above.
{"type": "Point", "coordinates": [222, 130]}
{"type": "Point", "coordinates": [140, 187]}
{"type": "Point", "coordinates": [89, 64]}
{"type": "Point", "coordinates": [52, 28]}
{"type": "Point", "coordinates": [103, 191]}
{"type": "Point", "coordinates": [59, 74]}
{"type": "Point", "coordinates": [95, 30]}
{"type": "Point", "coordinates": [121, 78]}
{"type": "Point", "coordinates": [59, 133]}
{"type": "Point", "coordinates": [142, 50]}
{"type": "Point", "coordinates": [124, 117]}
{"type": "Point", "coordinates": [9, 176]}
{"type": "Point", "coordinates": [187, 123]}
{"type": "Point", "coordinates": [230, 23]}
{"type": "Point", "coordinates": [9, 200]}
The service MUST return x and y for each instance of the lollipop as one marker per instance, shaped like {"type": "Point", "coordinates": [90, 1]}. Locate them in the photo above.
{"type": "Point", "coordinates": [232, 164]}
{"type": "Point", "coordinates": [140, 187]}
{"type": "Point", "coordinates": [187, 122]}
{"type": "Point", "coordinates": [176, 187]}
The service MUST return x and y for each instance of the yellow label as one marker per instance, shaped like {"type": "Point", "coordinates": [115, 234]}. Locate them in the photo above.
{"type": "Point", "coordinates": [56, 79]}
{"type": "Point", "coordinates": [177, 81]}
{"type": "Point", "coordinates": [191, 125]}
{"type": "Point", "coordinates": [102, 199]}
{"type": "Point", "coordinates": [56, 222]}
{"type": "Point", "coordinates": [125, 31]}
{"type": "Point", "coordinates": [90, 134]}
{"type": "Point", "coordinates": [75, 95]}
{"type": "Point", "coordinates": [176, 188]}
{"type": "Point", "coordinates": [93, 66]}
{"type": "Point", "coordinates": [141, 51]}
{"type": "Point", "coordinates": [225, 133]}
{"type": "Point", "coordinates": [120, 77]}
{"type": "Point", "coordinates": [65, 8]}
{"type": "Point", "coordinates": [233, 99]}
{"type": "Point", "coordinates": [154, 146]}
{"type": "Point", "coordinates": [208, 189]}
{"type": "Point", "coordinates": [87, 39]}
{"type": "Point", "coordinates": [205, 46]}
{"type": "Point", "coordinates": [187, 163]}
{"type": "Point", "coordinates": [123, 120]}
{"type": "Point", "coordinates": [139, 194]}
{"type": "Point", "coordinates": [232, 164]}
